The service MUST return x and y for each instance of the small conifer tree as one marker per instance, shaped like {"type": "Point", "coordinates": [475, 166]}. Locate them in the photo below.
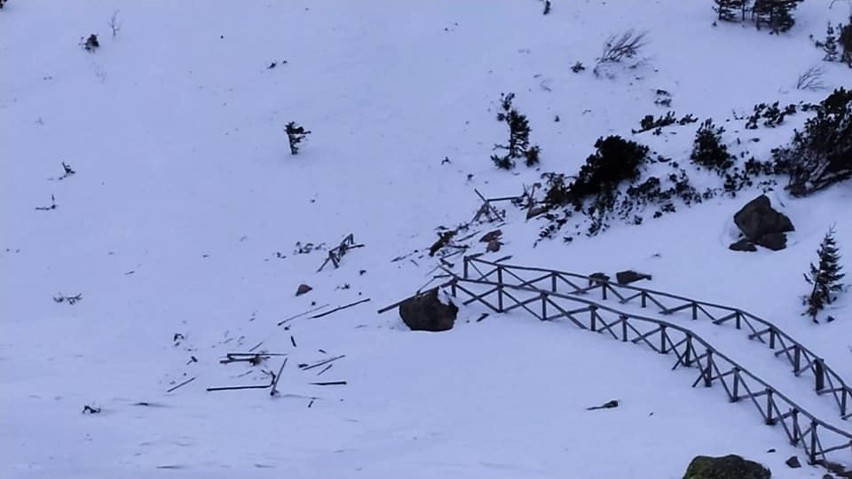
{"type": "Point", "coordinates": [295, 135]}
{"type": "Point", "coordinates": [519, 137]}
{"type": "Point", "coordinates": [708, 149]}
{"type": "Point", "coordinates": [830, 44]}
{"type": "Point", "coordinates": [825, 277]}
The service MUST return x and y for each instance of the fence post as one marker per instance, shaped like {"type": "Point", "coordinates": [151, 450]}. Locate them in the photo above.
{"type": "Point", "coordinates": [735, 390]}
{"type": "Point", "coordinates": [543, 306]}
{"type": "Point", "coordinates": [553, 282]}
{"type": "Point", "coordinates": [769, 403]}
{"type": "Point", "coordinates": [694, 311]}
{"type": "Point", "coordinates": [797, 359]}
{"type": "Point", "coordinates": [819, 374]}
{"type": "Point", "coordinates": [687, 357]}
{"type": "Point", "coordinates": [812, 453]}
{"type": "Point", "coordinates": [499, 289]}
{"type": "Point", "coordinates": [771, 337]}
{"type": "Point", "coordinates": [642, 297]}
{"type": "Point", "coordinates": [708, 372]}
{"type": "Point", "coordinates": [623, 327]}
{"type": "Point", "coordinates": [797, 433]}
{"type": "Point", "coordinates": [738, 319]}
{"type": "Point", "coordinates": [465, 261]}
{"type": "Point", "coordinates": [593, 313]}
{"type": "Point", "coordinates": [662, 339]}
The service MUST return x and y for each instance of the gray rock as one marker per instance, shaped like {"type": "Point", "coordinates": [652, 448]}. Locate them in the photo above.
{"type": "Point", "coordinates": [793, 462]}
{"type": "Point", "coordinates": [302, 289]}
{"type": "Point", "coordinates": [491, 236]}
{"type": "Point", "coordinates": [757, 218]}
{"type": "Point", "coordinates": [425, 312]}
{"type": "Point", "coordinates": [725, 467]}
{"type": "Point", "coordinates": [773, 241]}
{"type": "Point", "coordinates": [743, 245]}
{"type": "Point", "coordinates": [630, 276]}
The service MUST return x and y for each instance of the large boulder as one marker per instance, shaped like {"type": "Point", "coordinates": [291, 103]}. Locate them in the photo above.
{"type": "Point", "coordinates": [426, 312]}
{"type": "Point", "coordinates": [762, 225]}
{"type": "Point", "coordinates": [725, 467]}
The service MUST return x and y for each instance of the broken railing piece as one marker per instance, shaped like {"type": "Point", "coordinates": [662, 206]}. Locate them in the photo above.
{"type": "Point", "coordinates": [336, 253]}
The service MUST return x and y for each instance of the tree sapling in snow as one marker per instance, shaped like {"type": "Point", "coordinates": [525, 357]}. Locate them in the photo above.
{"type": "Point", "coordinates": [295, 135]}
{"type": "Point", "coordinates": [519, 137]}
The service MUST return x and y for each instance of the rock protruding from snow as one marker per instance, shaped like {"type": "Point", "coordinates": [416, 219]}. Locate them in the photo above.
{"type": "Point", "coordinates": [426, 312]}
{"type": "Point", "coordinates": [303, 289]}
{"type": "Point", "coordinates": [742, 245]}
{"type": "Point", "coordinates": [763, 225]}
{"type": "Point", "coordinates": [731, 466]}
{"type": "Point", "coordinates": [630, 276]}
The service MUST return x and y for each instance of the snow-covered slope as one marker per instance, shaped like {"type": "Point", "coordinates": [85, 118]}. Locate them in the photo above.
{"type": "Point", "coordinates": [179, 229]}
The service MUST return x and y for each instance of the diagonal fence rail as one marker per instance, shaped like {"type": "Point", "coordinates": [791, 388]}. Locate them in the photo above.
{"type": "Point", "coordinates": [820, 440]}
{"type": "Point", "coordinates": [803, 361]}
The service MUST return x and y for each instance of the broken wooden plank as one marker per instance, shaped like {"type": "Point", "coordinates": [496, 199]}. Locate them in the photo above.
{"type": "Point", "coordinates": [340, 308]}
{"type": "Point", "coordinates": [236, 388]}
{"type": "Point", "coordinates": [173, 388]}
{"type": "Point", "coordinates": [321, 363]}
{"type": "Point", "coordinates": [274, 390]}
{"type": "Point", "coordinates": [302, 314]}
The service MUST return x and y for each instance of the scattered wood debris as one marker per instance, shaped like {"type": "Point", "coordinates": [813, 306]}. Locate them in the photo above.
{"type": "Point", "coordinates": [335, 254]}
{"type": "Point", "coordinates": [68, 299]}
{"type": "Point", "coordinates": [306, 367]}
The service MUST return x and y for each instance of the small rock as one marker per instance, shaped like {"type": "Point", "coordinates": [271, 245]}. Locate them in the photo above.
{"type": "Point", "coordinates": [493, 246]}
{"type": "Point", "coordinates": [793, 462]}
{"type": "Point", "coordinates": [490, 236]}
{"type": "Point", "coordinates": [535, 211]}
{"type": "Point", "coordinates": [743, 245]}
{"type": "Point", "coordinates": [302, 289]}
{"type": "Point", "coordinates": [630, 276]}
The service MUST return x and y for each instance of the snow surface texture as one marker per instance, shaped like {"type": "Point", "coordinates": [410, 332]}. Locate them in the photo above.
{"type": "Point", "coordinates": [178, 230]}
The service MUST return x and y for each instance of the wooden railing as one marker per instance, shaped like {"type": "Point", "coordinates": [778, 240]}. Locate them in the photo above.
{"type": "Point", "coordinates": [825, 380]}
{"type": "Point", "coordinates": [820, 440]}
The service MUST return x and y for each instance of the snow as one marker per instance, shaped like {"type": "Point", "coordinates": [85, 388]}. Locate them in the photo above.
{"type": "Point", "coordinates": [185, 208]}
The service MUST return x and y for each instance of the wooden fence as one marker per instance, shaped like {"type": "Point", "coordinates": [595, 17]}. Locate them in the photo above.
{"type": "Point", "coordinates": [820, 440]}
{"type": "Point", "coordinates": [803, 361]}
